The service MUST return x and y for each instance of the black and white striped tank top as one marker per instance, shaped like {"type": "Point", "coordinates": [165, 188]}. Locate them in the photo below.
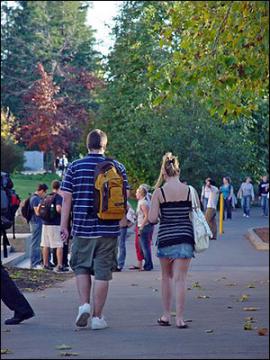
{"type": "Point", "coordinates": [175, 225]}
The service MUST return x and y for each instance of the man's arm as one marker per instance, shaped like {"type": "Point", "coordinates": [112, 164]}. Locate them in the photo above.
{"type": "Point", "coordinates": [65, 215]}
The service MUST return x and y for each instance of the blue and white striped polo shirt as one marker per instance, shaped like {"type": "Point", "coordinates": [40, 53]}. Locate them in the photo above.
{"type": "Point", "coordinates": [79, 180]}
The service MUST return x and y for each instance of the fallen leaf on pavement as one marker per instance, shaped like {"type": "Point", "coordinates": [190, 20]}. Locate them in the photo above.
{"type": "Point", "coordinates": [67, 353]}
{"type": "Point", "coordinates": [231, 284]}
{"type": "Point", "coordinates": [262, 331]}
{"type": "Point", "coordinates": [250, 318]}
{"type": "Point", "coordinates": [229, 307]}
{"type": "Point", "coordinates": [203, 297]}
{"type": "Point", "coordinates": [248, 325]}
{"type": "Point", "coordinates": [134, 284]}
{"type": "Point", "coordinates": [63, 347]}
{"type": "Point", "coordinates": [210, 331]}
{"type": "Point", "coordinates": [196, 285]}
{"type": "Point", "coordinates": [250, 309]}
{"type": "Point", "coordinates": [244, 297]}
{"type": "Point", "coordinates": [6, 351]}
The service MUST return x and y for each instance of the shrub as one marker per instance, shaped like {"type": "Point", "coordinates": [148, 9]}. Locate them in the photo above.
{"type": "Point", "coordinates": [12, 157]}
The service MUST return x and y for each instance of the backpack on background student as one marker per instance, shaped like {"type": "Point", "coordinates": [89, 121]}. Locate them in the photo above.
{"type": "Point", "coordinates": [26, 210]}
{"type": "Point", "coordinates": [10, 201]}
{"type": "Point", "coordinates": [47, 209]}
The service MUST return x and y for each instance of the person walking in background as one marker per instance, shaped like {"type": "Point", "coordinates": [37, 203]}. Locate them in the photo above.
{"type": "Point", "coordinates": [264, 194]}
{"type": "Point", "coordinates": [175, 240]}
{"type": "Point", "coordinates": [247, 195]}
{"type": "Point", "coordinates": [36, 226]}
{"type": "Point", "coordinates": [227, 190]}
{"type": "Point", "coordinates": [124, 224]}
{"type": "Point", "coordinates": [50, 237]}
{"type": "Point", "coordinates": [14, 300]}
{"type": "Point", "coordinates": [94, 242]}
{"type": "Point", "coordinates": [211, 210]}
{"type": "Point", "coordinates": [205, 194]}
{"type": "Point", "coordinates": [144, 227]}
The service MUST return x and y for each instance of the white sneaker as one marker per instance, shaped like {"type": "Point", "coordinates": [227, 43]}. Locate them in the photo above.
{"type": "Point", "coordinates": [83, 315]}
{"type": "Point", "coordinates": [98, 323]}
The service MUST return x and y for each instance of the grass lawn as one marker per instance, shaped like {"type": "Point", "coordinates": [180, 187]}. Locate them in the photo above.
{"type": "Point", "coordinates": [26, 184]}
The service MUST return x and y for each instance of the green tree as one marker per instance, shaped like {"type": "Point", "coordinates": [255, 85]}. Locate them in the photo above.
{"type": "Point", "coordinates": [55, 34]}
{"type": "Point", "coordinates": [218, 51]}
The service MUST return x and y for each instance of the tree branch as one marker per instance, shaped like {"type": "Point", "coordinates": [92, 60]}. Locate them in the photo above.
{"type": "Point", "coordinates": [221, 27]}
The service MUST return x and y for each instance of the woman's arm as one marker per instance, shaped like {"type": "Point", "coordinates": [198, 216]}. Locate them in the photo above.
{"type": "Point", "coordinates": [153, 213]}
{"type": "Point", "coordinates": [145, 211]}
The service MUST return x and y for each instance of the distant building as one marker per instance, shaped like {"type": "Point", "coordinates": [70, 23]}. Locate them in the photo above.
{"type": "Point", "coordinates": [34, 161]}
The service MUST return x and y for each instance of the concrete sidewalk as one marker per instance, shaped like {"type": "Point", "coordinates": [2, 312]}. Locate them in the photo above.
{"type": "Point", "coordinates": [224, 273]}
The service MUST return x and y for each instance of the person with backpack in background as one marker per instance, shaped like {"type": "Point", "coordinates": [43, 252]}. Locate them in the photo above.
{"type": "Point", "coordinates": [125, 223]}
{"type": "Point", "coordinates": [50, 214]}
{"type": "Point", "coordinates": [246, 193]}
{"type": "Point", "coordinates": [227, 190]}
{"type": "Point", "coordinates": [264, 194]}
{"type": "Point", "coordinates": [10, 202]}
{"type": "Point", "coordinates": [95, 188]}
{"type": "Point", "coordinates": [30, 210]}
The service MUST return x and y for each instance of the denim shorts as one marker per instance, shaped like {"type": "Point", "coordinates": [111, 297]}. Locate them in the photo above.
{"type": "Point", "coordinates": [179, 251]}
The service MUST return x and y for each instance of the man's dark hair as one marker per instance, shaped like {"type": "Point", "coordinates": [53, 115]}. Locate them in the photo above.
{"type": "Point", "coordinates": [43, 187]}
{"type": "Point", "coordinates": [56, 185]}
{"type": "Point", "coordinates": [96, 140]}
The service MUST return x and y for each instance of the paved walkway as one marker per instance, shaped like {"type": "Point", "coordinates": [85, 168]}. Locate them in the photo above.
{"type": "Point", "coordinates": [224, 272]}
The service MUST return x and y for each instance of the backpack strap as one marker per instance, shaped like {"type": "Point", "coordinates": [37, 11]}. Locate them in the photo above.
{"type": "Point", "coordinates": [188, 193]}
{"type": "Point", "coordinates": [163, 194]}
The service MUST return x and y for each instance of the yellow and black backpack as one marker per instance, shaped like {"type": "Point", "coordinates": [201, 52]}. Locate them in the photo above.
{"type": "Point", "coordinates": [110, 193]}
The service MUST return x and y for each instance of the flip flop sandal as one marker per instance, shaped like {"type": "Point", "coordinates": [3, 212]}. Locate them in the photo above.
{"type": "Point", "coordinates": [182, 326]}
{"type": "Point", "coordinates": [163, 322]}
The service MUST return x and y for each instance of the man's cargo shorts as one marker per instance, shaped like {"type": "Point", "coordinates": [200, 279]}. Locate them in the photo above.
{"type": "Point", "coordinates": [94, 256]}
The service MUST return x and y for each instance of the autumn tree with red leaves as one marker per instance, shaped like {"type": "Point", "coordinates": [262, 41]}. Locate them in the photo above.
{"type": "Point", "coordinates": [53, 120]}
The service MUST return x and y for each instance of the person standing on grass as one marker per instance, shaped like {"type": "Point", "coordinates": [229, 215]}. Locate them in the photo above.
{"type": "Point", "coordinates": [247, 195]}
{"type": "Point", "coordinates": [211, 210]}
{"type": "Point", "coordinates": [50, 237]}
{"type": "Point", "coordinates": [36, 226]}
{"type": "Point", "coordinates": [94, 242]}
{"type": "Point", "coordinates": [171, 204]}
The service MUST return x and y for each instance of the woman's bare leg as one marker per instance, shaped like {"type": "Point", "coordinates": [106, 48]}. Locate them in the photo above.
{"type": "Point", "coordinates": [180, 269]}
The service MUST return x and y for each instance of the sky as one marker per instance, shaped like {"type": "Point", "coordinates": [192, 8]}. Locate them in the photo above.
{"type": "Point", "coordinates": [100, 17]}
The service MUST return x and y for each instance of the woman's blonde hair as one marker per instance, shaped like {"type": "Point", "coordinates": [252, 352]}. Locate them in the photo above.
{"type": "Point", "coordinates": [143, 190]}
{"type": "Point", "coordinates": [169, 166]}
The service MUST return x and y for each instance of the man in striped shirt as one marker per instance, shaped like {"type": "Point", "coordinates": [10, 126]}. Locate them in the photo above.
{"type": "Point", "coordinates": [94, 243]}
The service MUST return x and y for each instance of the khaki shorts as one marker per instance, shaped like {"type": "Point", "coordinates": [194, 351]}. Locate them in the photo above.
{"type": "Point", "coordinates": [94, 256]}
{"type": "Point", "coordinates": [50, 236]}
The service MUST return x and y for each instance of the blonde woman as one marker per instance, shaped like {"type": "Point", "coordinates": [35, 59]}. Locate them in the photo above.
{"type": "Point", "coordinates": [144, 227]}
{"type": "Point", "coordinates": [175, 242]}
